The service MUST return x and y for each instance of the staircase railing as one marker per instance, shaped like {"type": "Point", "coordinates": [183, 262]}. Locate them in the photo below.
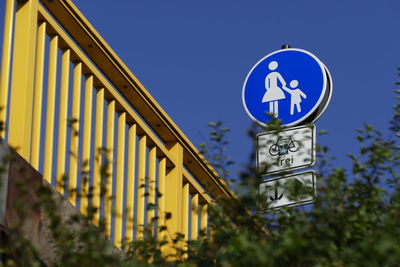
{"type": "Point", "coordinates": [74, 110]}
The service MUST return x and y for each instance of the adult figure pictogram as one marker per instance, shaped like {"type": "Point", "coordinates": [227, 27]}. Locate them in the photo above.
{"type": "Point", "coordinates": [274, 92]}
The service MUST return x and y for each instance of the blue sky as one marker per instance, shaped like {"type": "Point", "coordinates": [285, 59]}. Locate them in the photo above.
{"type": "Point", "coordinates": [193, 57]}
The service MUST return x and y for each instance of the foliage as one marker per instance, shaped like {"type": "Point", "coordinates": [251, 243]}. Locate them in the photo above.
{"type": "Point", "coordinates": [215, 149]}
{"type": "Point", "coordinates": [354, 221]}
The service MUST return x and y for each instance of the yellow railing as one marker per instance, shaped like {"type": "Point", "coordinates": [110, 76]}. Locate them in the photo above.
{"type": "Point", "coordinates": [72, 107]}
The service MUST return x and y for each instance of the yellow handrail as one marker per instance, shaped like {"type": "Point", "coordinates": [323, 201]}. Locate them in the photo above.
{"type": "Point", "coordinates": [119, 74]}
{"type": "Point", "coordinates": [147, 159]}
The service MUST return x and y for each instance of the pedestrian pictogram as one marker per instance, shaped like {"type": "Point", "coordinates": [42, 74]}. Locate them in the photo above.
{"type": "Point", "coordinates": [290, 149]}
{"type": "Point", "coordinates": [292, 85]}
{"type": "Point", "coordinates": [274, 93]}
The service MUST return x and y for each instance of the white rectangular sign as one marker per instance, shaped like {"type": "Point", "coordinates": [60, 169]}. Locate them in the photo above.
{"type": "Point", "coordinates": [290, 149]}
{"type": "Point", "coordinates": [287, 191]}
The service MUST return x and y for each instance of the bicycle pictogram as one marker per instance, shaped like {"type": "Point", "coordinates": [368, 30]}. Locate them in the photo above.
{"type": "Point", "coordinates": [284, 146]}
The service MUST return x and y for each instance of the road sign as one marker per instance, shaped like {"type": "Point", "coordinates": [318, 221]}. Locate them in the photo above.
{"type": "Point", "coordinates": [290, 149]}
{"type": "Point", "coordinates": [291, 84]}
{"type": "Point", "coordinates": [288, 191]}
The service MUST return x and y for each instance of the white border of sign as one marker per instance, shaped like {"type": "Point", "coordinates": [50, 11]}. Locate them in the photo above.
{"type": "Point", "coordinates": [324, 74]}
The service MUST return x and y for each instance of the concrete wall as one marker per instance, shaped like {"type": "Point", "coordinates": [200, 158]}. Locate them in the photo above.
{"type": "Point", "coordinates": [23, 196]}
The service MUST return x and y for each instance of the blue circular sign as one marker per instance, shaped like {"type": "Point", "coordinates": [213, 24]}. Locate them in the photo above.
{"type": "Point", "coordinates": [288, 84]}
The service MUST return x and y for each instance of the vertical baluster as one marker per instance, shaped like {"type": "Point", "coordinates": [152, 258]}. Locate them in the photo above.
{"type": "Point", "coordinates": [173, 196]}
{"type": "Point", "coordinates": [23, 76]}
{"type": "Point", "coordinates": [185, 211]}
{"type": "Point", "coordinates": [194, 220]}
{"type": "Point", "coordinates": [161, 198]}
{"type": "Point", "coordinates": [141, 188]}
{"type": "Point", "coordinates": [74, 150]}
{"type": "Point", "coordinates": [62, 122]}
{"type": "Point", "coordinates": [37, 106]}
{"type": "Point", "coordinates": [98, 145]}
{"type": "Point", "coordinates": [130, 187]}
{"type": "Point", "coordinates": [119, 192]}
{"type": "Point", "coordinates": [152, 184]}
{"type": "Point", "coordinates": [6, 61]}
{"type": "Point", "coordinates": [109, 172]}
{"type": "Point", "coordinates": [204, 219]}
{"type": "Point", "coordinates": [51, 95]}
{"type": "Point", "coordinates": [86, 142]}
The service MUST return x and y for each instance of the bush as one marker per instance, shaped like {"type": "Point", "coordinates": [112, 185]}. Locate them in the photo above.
{"type": "Point", "coordinates": [354, 221]}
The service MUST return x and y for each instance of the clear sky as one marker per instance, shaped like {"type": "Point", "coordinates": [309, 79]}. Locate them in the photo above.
{"type": "Point", "coordinates": [193, 57]}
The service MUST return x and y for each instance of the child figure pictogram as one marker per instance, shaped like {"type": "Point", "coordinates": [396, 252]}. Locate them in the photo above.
{"type": "Point", "coordinates": [295, 96]}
